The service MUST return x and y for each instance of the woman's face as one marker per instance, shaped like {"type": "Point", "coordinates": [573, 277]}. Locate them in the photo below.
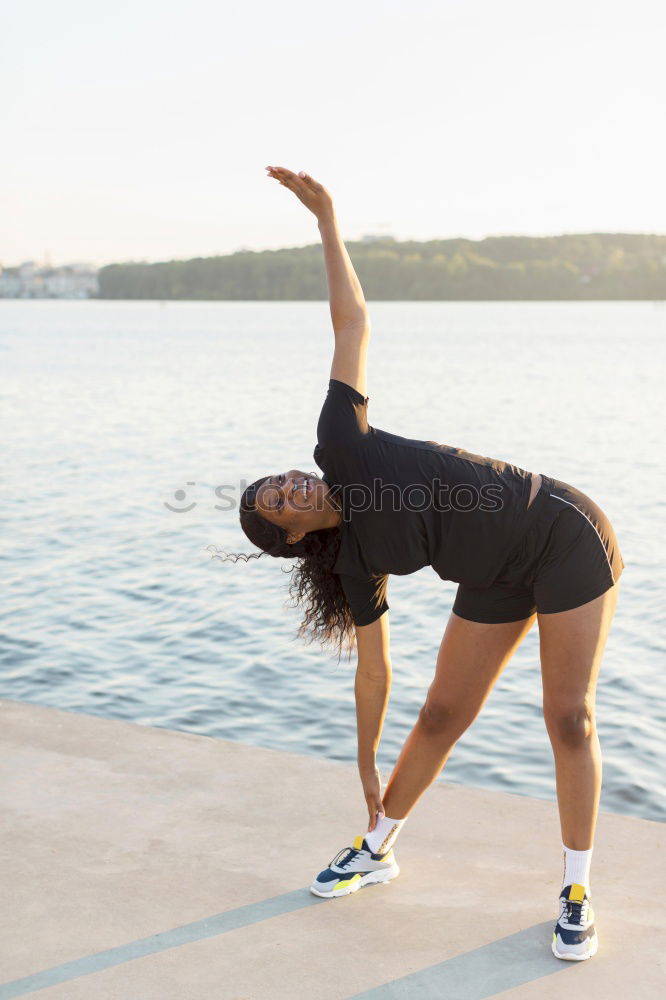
{"type": "Point", "coordinates": [298, 502]}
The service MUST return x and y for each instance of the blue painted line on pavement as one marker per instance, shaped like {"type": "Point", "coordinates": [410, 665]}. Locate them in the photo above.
{"type": "Point", "coordinates": [221, 923]}
{"type": "Point", "coordinates": [501, 965]}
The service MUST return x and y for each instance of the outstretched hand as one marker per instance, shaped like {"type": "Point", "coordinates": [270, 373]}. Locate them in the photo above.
{"type": "Point", "coordinates": [313, 195]}
{"type": "Point", "coordinates": [372, 789]}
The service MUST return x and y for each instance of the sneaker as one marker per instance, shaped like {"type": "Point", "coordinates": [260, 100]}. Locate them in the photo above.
{"type": "Point", "coordinates": [574, 937]}
{"type": "Point", "coordinates": [354, 867]}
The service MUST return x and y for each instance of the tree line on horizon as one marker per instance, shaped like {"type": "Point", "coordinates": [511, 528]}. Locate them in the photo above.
{"type": "Point", "coordinates": [586, 266]}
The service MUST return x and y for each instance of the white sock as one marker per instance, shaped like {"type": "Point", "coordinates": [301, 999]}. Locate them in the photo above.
{"type": "Point", "coordinates": [381, 839]}
{"type": "Point", "coordinates": [577, 867]}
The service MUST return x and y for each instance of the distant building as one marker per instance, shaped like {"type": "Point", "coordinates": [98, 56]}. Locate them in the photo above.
{"type": "Point", "coordinates": [10, 283]}
{"type": "Point", "coordinates": [33, 281]}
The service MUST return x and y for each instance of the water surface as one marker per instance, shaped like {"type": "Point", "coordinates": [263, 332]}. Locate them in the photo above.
{"type": "Point", "coordinates": [114, 607]}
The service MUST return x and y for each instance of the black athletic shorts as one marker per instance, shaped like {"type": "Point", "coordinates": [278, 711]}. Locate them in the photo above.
{"type": "Point", "coordinates": [568, 556]}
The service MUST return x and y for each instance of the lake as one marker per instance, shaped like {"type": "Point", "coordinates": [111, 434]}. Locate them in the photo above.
{"type": "Point", "coordinates": [121, 419]}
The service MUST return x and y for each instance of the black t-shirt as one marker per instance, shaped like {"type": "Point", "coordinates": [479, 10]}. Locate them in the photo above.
{"type": "Point", "coordinates": [408, 504]}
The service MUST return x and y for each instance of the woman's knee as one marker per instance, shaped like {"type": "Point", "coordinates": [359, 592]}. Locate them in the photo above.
{"type": "Point", "coordinates": [571, 725]}
{"type": "Point", "coordinates": [442, 717]}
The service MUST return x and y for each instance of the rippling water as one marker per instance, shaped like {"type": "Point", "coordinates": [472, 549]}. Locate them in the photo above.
{"type": "Point", "coordinates": [116, 411]}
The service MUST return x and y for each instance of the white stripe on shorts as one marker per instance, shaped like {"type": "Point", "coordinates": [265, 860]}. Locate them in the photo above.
{"type": "Point", "coordinates": [593, 525]}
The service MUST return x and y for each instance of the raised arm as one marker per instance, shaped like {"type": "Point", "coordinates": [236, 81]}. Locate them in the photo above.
{"type": "Point", "coordinates": [351, 323]}
{"type": "Point", "coordinates": [349, 314]}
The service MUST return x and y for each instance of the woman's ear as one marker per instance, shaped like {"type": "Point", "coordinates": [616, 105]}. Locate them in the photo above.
{"type": "Point", "coordinates": [292, 539]}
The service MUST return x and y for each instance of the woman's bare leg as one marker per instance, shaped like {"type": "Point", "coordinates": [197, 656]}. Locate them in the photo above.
{"type": "Point", "coordinates": [471, 657]}
{"type": "Point", "coordinates": [572, 645]}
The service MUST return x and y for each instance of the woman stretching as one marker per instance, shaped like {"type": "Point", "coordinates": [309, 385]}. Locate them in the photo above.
{"type": "Point", "coordinates": [520, 546]}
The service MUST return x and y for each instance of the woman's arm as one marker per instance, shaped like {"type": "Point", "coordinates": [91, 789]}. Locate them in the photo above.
{"type": "Point", "coordinates": [346, 299]}
{"type": "Point", "coordinates": [372, 695]}
{"type": "Point", "coordinates": [351, 323]}
{"type": "Point", "coordinates": [349, 314]}
{"type": "Point", "coordinates": [372, 688]}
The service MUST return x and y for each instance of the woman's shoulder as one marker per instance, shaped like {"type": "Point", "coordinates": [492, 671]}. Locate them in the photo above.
{"type": "Point", "coordinates": [343, 418]}
{"type": "Point", "coordinates": [337, 386]}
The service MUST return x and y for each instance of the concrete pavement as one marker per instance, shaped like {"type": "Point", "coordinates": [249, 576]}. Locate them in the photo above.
{"type": "Point", "coordinates": [145, 864]}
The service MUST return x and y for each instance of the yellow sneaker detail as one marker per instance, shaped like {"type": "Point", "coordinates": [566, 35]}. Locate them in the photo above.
{"type": "Point", "coordinates": [347, 882]}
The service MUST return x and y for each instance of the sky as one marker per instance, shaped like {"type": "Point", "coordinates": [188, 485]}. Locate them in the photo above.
{"type": "Point", "coordinates": [141, 130]}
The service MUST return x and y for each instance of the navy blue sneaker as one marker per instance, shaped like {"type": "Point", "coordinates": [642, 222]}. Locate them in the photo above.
{"type": "Point", "coordinates": [575, 938]}
{"type": "Point", "coordinates": [354, 867]}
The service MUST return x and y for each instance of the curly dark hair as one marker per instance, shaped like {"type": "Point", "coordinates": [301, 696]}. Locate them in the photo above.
{"type": "Point", "coordinates": [326, 613]}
